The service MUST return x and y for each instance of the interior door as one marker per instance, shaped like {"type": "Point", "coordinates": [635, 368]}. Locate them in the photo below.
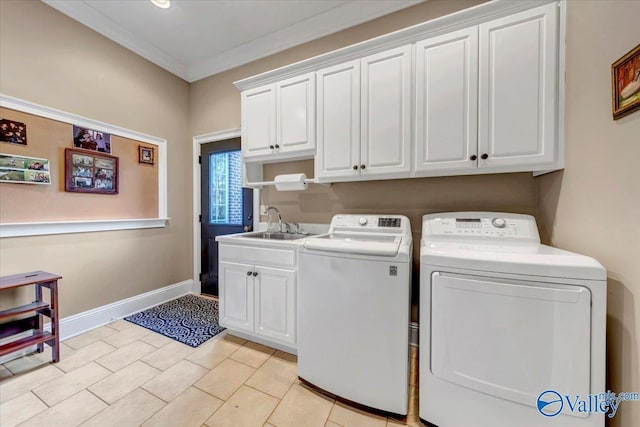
{"type": "Point", "coordinates": [227, 208]}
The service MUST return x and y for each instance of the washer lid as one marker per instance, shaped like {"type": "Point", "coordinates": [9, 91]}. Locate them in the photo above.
{"type": "Point", "coordinates": [531, 260]}
{"type": "Point", "coordinates": [356, 243]}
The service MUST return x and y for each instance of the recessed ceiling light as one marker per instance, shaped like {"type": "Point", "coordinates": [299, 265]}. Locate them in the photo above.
{"type": "Point", "coordinates": [164, 4]}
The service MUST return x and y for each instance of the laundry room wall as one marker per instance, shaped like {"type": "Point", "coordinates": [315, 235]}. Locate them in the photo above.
{"type": "Point", "coordinates": [53, 60]}
{"type": "Point", "coordinates": [593, 206]}
{"type": "Point", "coordinates": [215, 106]}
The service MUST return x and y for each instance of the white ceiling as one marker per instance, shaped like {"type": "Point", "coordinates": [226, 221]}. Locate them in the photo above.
{"type": "Point", "coordinates": [195, 39]}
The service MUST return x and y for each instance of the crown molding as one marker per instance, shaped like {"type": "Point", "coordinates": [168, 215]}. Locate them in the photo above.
{"type": "Point", "coordinates": [347, 15]}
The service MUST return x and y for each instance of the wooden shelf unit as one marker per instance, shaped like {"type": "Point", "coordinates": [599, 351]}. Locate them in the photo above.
{"type": "Point", "coordinates": [34, 323]}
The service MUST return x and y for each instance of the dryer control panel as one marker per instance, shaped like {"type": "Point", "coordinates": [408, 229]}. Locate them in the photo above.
{"type": "Point", "coordinates": [481, 224]}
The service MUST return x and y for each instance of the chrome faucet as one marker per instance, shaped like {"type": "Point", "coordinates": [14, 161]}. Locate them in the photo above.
{"type": "Point", "coordinates": [269, 209]}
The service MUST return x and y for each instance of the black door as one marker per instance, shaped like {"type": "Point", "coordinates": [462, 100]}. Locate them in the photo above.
{"type": "Point", "coordinates": [227, 208]}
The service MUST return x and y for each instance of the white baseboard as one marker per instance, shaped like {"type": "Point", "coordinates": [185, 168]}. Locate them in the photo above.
{"type": "Point", "coordinates": [91, 319]}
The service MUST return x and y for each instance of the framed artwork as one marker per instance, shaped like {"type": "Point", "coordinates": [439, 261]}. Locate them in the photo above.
{"type": "Point", "coordinates": [89, 139]}
{"type": "Point", "coordinates": [145, 154]}
{"type": "Point", "coordinates": [24, 170]}
{"type": "Point", "coordinates": [13, 132]}
{"type": "Point", "coordinates": [625, 81]}
{"type": "Point", "coordinates": [90, 172]}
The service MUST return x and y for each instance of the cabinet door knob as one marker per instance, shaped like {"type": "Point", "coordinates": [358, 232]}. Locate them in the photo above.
{"type": "Point", "coordinates": [272, 147]}
{"type": "Point", "coordinates": [485, 156]}
{"type": "Point", "coordinates": [255, 273]}
{"type": "Point", "coordinates": [362, 166]}
{"type": "Point", "coordinates": [277, 147]}
{"type": "Point", "coordinates": [355, 167]}
{"type": "Point", "coordinates": [473, 157]}
{"type": "Point", "coordinates": [248, 273]}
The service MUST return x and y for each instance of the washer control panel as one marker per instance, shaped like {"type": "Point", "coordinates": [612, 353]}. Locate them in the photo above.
{"type": "Point", "coordinates": [481, 224]}
{"type": "Point", "coordinates": [394, 224]}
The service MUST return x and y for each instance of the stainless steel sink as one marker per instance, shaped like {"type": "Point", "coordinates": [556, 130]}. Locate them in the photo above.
{"type": "Point", "coordinates": [277, 235]}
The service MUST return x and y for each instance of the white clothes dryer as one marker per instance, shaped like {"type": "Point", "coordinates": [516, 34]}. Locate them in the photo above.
{"type": "Point", "coordinates": [504, 319]}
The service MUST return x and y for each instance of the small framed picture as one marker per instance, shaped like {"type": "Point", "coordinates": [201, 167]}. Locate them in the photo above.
{"type": "Point", "coordinates": [13, 132]}
{"type": "Point", "coordinates": [145, 154]}
{"type": "Point", "coordinates": [90, 139]}
{"type": "Point", "coordinates": [90, 172]}
{"type": "Point", "coordinates": [625, 81]}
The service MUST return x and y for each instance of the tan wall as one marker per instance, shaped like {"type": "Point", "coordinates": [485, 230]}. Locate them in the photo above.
{"type": "Point", "coordinates": [593, 206]}
{"type": "Point", "coordinates": [50, 59]}
{"type": "Point", "coordinates": [215, 102]}
{"type": "Point", "coordinates": [215, 106]}
{"type": "Point", "coordinates": [48, 139]}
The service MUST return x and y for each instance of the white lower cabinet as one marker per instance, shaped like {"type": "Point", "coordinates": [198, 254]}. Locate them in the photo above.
{"type": "Point", "coordinates": [236, 295]}
{"type": "Point", "coordinates": [255, 299]}
{"type": "Point", "coordinates": [275, 304]}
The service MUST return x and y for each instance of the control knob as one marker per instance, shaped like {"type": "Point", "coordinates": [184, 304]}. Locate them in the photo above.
{"type": "Point", "coordinates": [363, 220]}
{"type": "Point", "coordinates": [499, 222]}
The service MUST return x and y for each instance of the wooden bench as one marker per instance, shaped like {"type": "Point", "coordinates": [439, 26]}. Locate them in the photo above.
{"type": "Point", "coordinates": [40, 308]}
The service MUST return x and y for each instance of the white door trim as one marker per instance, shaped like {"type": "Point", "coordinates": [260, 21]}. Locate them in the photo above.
{"type": "Point", "coordinates": [197, 142]}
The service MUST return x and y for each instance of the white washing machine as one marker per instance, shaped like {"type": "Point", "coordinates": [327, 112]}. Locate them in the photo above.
{"type": "Point", "coordinates": [353, 310]}
{"type": "Point", "coordinates": [504, 319]}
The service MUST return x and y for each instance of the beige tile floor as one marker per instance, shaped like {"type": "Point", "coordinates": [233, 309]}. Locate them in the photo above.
{"type": "Point", "coordinates": [124, 375]}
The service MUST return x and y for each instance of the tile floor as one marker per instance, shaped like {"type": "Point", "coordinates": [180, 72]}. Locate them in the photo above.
{"type": "Point", "coordinates": [124, 375]}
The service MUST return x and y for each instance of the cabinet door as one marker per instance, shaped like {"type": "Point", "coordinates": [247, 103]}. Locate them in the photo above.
{"type": "Point", "coordinates": [447, 102]}
{"type": "Point", "coordinates": [295, 113]}
{"type": "Point", "coordinates": [386, 113]}
{"type": "Point", "coordinates": [258, 121]}
{"type": "Point", "coordinates": [518, 88]}
{"type": "Point", "coordinates": [338, 149]}
{"type": "Point", "coordinates": [275, 309]}
{"type": "Point", "coordinates": [236, 295]}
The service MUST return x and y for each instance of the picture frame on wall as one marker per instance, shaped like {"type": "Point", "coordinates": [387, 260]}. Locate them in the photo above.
{"type": "Point", "coordinates": [145, 155]}
{"type": "Point", "coordinates": [91, 139]}
{"type": "Point", "coordinates": [625, 81]}
{"type": "Point", "coordinates": [24, 170]}
{"type": "Point", "coordinates": [87, 171]}
{"type": "Point", "coordinates": [13, 132]}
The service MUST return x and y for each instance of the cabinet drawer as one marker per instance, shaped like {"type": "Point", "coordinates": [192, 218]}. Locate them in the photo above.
{"type": "Point", "coordinates": [253, 255]}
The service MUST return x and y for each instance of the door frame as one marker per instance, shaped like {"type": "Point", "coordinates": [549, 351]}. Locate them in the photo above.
{"type": "Point", "coordinates": [197, 170]}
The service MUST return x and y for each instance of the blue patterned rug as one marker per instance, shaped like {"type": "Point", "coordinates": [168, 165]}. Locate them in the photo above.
{"type": "Point", "coordinates": [190, 319]}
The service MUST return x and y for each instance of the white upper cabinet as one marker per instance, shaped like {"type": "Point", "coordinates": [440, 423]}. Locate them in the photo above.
{"type": "Point", "coordinates": [386, 114]}
{"type": "Point", "coordinates": [278, 120]}
{"type": "Point", "coordinates": [478, 91]}
{"type": "Point", "coordinates": [364, 118]}
{"type": "Point", "coordinates": [295, 114]}
{"type": "Point", "coordinates": [258, 121]}
{"type": "Point", "coordinates": [338, 103]}
{"type": "Point", "coordinates": [518, 89]}
{"type": "Point", "coordinates": [447, 102]}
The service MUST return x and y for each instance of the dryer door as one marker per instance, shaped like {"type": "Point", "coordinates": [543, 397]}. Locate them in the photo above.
{"type": "Point", "coordinates": [510, 339]}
